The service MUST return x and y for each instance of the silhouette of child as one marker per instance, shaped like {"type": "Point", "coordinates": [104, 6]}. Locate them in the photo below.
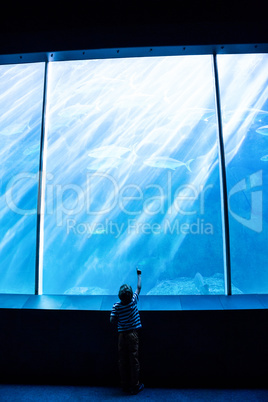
{"type": "Point", "coordinates": [126, 315]}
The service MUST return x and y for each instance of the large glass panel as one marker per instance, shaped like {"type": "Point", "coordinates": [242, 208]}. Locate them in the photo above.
{"type": "Point", "coordinates": [244, 94]}
{"type": "Point", "coordinates": [21, 94]}
{"type": "Point", "coordinates": [132, 177]}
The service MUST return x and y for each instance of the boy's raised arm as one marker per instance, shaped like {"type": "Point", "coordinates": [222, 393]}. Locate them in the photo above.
{"type": "Point", "coordinates": [139, 281]}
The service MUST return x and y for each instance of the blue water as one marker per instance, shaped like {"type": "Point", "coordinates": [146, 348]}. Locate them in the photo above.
{"type": "Point", "coordinates": [21, 95]}
{"type": "Point", "coordinates": [132, 175]}
{"type": "Point", "coordinates": [244, 91]}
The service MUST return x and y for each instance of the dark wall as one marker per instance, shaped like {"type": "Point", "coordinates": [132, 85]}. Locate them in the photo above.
{"type": "Point", "coordinates": [179, 349]}
{"type": "Point", "coordinates": [183, 348]}
{"type": "Point", "coordinates": [118, 23]}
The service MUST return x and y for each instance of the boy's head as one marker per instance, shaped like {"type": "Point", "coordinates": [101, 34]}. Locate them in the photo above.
{"type": "Point", "coordinates": [125, 294]}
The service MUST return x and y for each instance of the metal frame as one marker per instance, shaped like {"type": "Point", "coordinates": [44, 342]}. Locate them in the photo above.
{"type": "Point", "coordinates": [212, 50]}
{"type": "Point", "coordinates": [86, 54]}
{"type": "Point", "coordinates": [41, 192]}
{"type": "Point", "coordinates": [223, 183]}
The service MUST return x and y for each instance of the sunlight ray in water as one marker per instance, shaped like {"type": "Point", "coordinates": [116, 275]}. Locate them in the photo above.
{"type": "Point", "coordinates": [134, 132]}
{"type": "Point", "coordinates": [131, 174]}
{"type": "Point", "coordinates": [21, 96]}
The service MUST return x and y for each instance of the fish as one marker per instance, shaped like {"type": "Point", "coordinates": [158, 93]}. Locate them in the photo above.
{"type": "Point", "coordinates": [260, 116]}
{"type": "Point", "coordinates": [262, 130]}
{"type": "Point", "coordinates": [98, 231]}
{"type": "Point", "coordinates": [105, 164]}
{"type": "Point", "coordinates": [110, 151]}
{"type": "Point", "coordinates": [264, 158]}
{"type": "Point", "coordinates": [208, 116]}
{"type": "Point", "coordinates": [166, 163]}
{"type": "Point", "coordinates": [15, 128]}
{"type": "Point", "coordinates": [149, 261]}
{"type": "Point", "coordinates": [75, 111]}
{"type": "Point", "coordinates": [32, 149]}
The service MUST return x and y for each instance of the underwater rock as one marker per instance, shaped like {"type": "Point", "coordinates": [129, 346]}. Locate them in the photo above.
{"type": "Point", "coordinates": [214, 285]}
{"type": "Point", "coordinates": [179, 286]}
{"type": "Point", "coordinates": [91, 290]}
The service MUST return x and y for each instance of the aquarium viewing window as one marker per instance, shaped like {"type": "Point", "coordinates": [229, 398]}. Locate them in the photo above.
{"type": "Point", "coordinates": [111, 163]}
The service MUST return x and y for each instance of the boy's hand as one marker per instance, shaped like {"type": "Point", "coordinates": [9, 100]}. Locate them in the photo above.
{"type": "Point", "coordinates": [139, 281]}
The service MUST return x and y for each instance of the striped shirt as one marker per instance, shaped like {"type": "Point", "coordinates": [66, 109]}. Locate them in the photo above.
{"type": "Point", "coordinates": [127, 315]}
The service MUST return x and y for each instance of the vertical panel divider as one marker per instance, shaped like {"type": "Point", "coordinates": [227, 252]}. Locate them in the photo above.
{"type": "Point", "coordinates": [224, 194]}
{"type": "Point", "coordinates": [41, 194]}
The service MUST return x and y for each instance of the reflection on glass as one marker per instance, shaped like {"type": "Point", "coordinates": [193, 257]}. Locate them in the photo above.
{"type": "Point", "coordinates": [244, 94]}
{"type": "Point", "coordinates": [21, 94]}
{"type": "Point", "coordinates": [132, 177]}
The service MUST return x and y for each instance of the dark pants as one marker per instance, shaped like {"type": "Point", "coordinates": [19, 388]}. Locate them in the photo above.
{"type": "Point", "coordinates": [129, 366]}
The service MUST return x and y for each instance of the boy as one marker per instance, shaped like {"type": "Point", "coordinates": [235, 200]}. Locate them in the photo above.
{"type": "Point", "coordinates": [126, 314]}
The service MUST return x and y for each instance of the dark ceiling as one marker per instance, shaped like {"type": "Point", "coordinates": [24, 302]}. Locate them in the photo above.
{"type": "Point", "coordinates": [96, 24]}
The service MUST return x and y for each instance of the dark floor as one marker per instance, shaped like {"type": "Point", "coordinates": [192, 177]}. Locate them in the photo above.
{"type": "Point", "coordinates": [51, 393]}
